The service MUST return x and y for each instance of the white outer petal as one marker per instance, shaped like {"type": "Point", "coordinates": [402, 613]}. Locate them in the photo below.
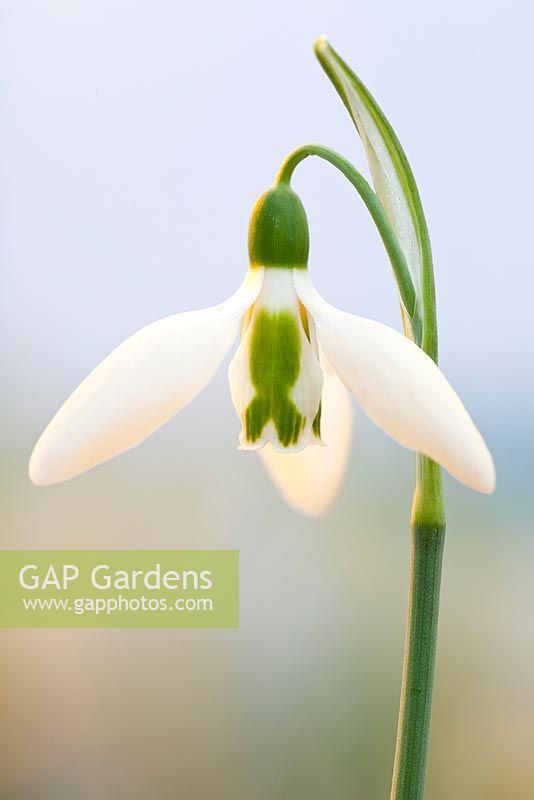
{"type": "Point", "coordinates": [311, 479]}
{"type": "Point", "coordinates": [139, 386]}
{"type": "Point", "coordinates": [401, 389]}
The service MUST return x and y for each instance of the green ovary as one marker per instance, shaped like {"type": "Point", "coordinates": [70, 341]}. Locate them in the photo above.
{"type": "Point", "coordinates": [275, 351]}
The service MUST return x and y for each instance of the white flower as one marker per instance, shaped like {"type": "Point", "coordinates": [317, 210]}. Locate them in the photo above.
{"type": "Point", "coordinates": [296, 356]}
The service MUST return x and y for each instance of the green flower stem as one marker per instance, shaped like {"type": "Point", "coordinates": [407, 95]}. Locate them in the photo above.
{"type": "Point", "coordinates": [427, 543]}
{"type": "Point", "coordinates": [374, 206]}
{"type": "Point", "coordinates": [427, 540]}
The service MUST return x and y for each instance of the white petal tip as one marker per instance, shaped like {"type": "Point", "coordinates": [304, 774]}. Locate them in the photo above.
{"type": "Point", "coordinates": [37, 474]}
{"type": "Point", "coordinates": [320, 44]}
{"type": "Point", "coordinates": [41, 472]}
{"type": "Point", "coordinates": [488, 488]}
{"type": "Point", "coordinates": [314, 509]}
{"type": "Point", "coordinates": [54, 460]}
{"type": "Point", "coordinates": [485, 480]}
{"type": "Point", "coordinates": [297, 479]}
{"type": "Point", "coordinates": [311, 512]}
{"type": "Point", "coordinates": [472, 465]}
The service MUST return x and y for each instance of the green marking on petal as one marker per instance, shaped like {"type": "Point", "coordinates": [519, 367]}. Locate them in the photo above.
{"type": "Point", "coordinates": [316, 425]}
{"type": "Point", "coordinates": [275, 351]}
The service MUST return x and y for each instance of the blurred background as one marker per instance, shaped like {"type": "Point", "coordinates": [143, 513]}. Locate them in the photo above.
{"type": "Point", "coordinates": [135, 138]}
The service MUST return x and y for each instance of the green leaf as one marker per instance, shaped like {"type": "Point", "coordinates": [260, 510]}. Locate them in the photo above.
{"type": "Point", "coordinates": [394, 184]}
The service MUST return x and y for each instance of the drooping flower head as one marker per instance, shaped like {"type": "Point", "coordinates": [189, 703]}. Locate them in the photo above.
{"type": "Point", "coordinates": [289, 377]}
{"type": "Point", "coordinates": [275, 377]}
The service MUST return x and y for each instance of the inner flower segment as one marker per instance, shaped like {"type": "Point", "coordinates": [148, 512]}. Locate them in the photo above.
{"type": "Point", "coordinates": [274, 370]}
{"type": "Point", "coordinates": [275, 376]}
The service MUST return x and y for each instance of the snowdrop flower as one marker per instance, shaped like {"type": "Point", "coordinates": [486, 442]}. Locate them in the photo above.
{"type": "Point", "coordinates": [289, 377]}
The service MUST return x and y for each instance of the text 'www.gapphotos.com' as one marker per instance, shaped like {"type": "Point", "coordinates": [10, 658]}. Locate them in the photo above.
{"type": "Point", "coordinates": [119, 604]}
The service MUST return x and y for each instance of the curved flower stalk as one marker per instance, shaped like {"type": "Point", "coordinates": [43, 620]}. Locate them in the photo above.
{"type": "Point", "coordinates": [287, 378]}
{"type": "Point", "coordinates": [397, 192]}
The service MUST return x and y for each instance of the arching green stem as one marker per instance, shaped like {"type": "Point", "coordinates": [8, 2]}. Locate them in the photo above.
{"type": "Point", "coordinates": [393, 249]}
{"type": "Point", "coordinates": [428, 516]}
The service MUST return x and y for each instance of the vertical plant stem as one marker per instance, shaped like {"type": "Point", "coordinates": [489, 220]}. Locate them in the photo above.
{"type": "Point", "coordinates": [427, 540]}
{"type": "Point", "coordinates": [402, 203]}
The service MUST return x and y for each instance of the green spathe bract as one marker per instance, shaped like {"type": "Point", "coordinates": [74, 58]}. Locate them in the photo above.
{"type": "Point", "coordinates": [394, 183]}
{"type": "Point", "coordinates": [278, 231]}
{"type": "Point", "coordinates": [275, 350]}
